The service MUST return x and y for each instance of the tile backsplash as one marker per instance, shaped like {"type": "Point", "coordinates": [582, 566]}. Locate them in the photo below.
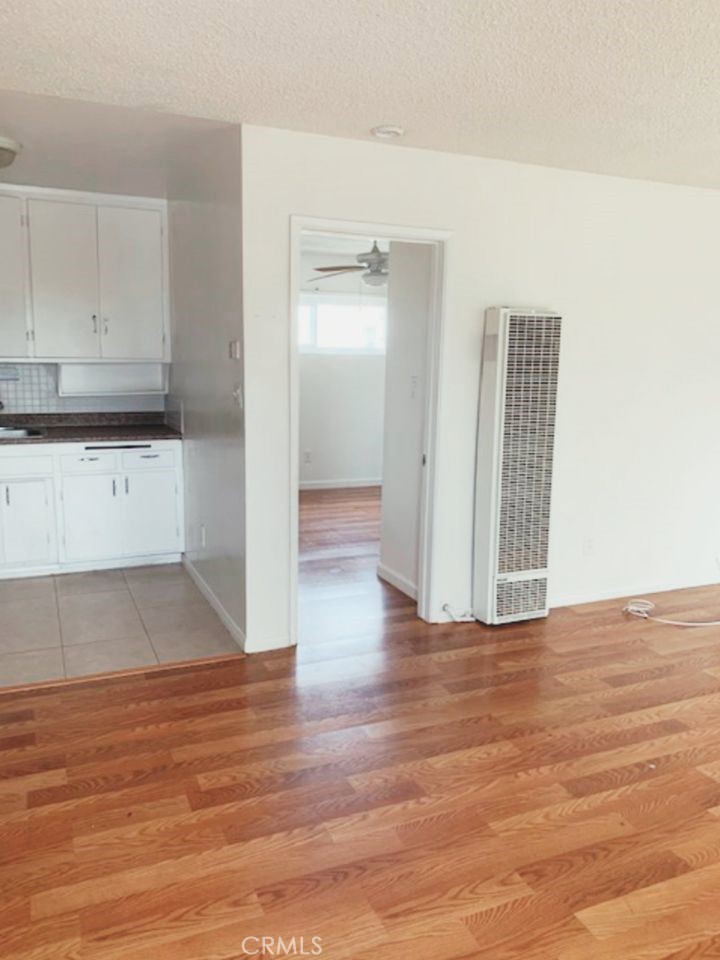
{"type": "Point", "coordinates": [33, 388]}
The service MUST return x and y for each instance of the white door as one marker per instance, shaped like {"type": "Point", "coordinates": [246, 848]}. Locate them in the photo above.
{"type": "Point", "coordinates": [152, 523]}
{"type": "Point", "coordinates": [64, 277]}
{"type": "Point", "coordinates": [27, 520]}
{"type": "Point", "coordinates": [92, 517]}
{"type": "Point", "coordinates": [409, 307]}
{"type": "Point", "coordinates": [13, 256]}
{"type": "Point", "coordinates": [131, 283]}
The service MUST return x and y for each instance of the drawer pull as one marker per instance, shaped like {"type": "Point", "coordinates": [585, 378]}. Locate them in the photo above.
{"type": "Point", "coordinates": [88, 459]}
{"type": "Point", "coordinates": [149, 456]}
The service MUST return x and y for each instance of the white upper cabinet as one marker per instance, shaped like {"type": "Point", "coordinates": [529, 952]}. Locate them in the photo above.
{"type": "Point", "coordinates": [130, 246]}
{"type": "Point", "coordinates": [64, 271]}
{"type": "Point", "coordinates": [96, 270]}
{"type": "Point", "coordinates": [13, 279]}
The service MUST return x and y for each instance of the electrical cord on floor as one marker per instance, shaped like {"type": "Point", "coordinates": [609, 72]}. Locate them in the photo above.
{"type": "Point", "coordinates": [466, 617]}
{"type": "Point", "coordinates": [643, 609]}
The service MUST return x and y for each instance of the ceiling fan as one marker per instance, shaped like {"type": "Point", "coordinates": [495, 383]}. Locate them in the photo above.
{"type": "Point", "coordinates": [374, 265]}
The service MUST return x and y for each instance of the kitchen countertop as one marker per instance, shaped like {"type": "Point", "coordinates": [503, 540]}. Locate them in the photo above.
{"type": "Point", "coordinates": [96, 427]}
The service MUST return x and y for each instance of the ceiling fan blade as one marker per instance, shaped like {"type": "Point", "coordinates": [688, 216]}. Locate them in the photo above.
{"type": "Point", "coordinates": [345, 267]}
{"type": "Point", "coordinates": [338, 273]}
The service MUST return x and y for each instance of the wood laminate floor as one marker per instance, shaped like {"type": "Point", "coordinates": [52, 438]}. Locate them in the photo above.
{"type": "Point", "coordinates": [340, 595]}
{"type": "Point", "coordinates": [543, 790]}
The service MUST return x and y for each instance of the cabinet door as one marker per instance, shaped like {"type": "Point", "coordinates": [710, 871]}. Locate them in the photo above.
{"type": "Point", "coordinates": [27, 518]}
{"type": "Point", "coordinates": [152, 524]}
{"type": "Point", "coordinates": [13, 256]}
{"type": "Point", "coordinates": [131, 283]}
{"type": "Point", "coordinates": [92, 517]}
{"type": "Point", "coordinates": [64, 278]}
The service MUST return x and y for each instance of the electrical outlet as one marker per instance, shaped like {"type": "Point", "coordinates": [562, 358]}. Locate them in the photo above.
{"type": "Point", "coordinates": [307, 456]}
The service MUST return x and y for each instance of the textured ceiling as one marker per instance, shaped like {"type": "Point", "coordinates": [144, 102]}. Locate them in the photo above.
{"type": "Point", "coordinates": [630, 87]}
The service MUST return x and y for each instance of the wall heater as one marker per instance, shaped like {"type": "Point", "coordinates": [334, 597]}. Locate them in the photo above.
{"type": "Point", "coordinates": [516, 432]}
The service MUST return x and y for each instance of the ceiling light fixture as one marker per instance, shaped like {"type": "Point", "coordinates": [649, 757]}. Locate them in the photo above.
{"type": "Point", "coordinates": [375, 278]}
{"type": "Point", "coordinates": [387, 131]}
{"type": "Point", "coordinates": [9, 149]}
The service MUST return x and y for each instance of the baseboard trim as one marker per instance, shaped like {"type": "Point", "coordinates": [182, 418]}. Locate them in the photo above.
{"type": "Point", "coordinates": [621, 593]}
{"type": "Point", "coordinates": [57, 569]}
{"type": "Point", "coordinates": [338, 484]}
{"type": "Point", "coordinates": [212, 598]}
{"type": "Point", "coordinates": [396, 580]}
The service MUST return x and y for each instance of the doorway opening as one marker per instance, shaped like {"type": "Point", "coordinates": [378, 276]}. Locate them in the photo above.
{"type": "Point", "coordinates": [364, 370]}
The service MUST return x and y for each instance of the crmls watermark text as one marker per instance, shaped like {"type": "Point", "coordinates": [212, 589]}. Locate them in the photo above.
{"type": "Point", "coordinates": [282, 947]}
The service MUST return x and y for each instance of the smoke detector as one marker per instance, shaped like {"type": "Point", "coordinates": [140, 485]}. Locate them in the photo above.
{"type": "Point", "coordinates": [9, 149]}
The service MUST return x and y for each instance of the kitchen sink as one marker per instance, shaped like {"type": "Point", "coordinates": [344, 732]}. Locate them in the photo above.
{"type": "Point", "coordinates": [18, 433]}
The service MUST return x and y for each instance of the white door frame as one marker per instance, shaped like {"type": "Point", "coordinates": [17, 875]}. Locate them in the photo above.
{"type": "Point", "coordinates": [435, 333]}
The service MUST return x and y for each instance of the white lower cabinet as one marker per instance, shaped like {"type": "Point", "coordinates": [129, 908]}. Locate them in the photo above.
{"type": "Point", "coordinates": [150, 508]}
{"type": "Point", "coordinates": [27, 523]}
{"type": "Point", "coordinates": [123, 515]}
{"type": "Point", "coordinates": [92, 519]}
{"type": "Point", "coordinates": [95, 506]}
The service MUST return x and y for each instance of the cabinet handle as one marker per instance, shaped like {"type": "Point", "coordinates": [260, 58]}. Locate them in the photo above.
{"type": "Point", "coordinates": [88, 459]}
{"type": "Point", "coordinates": [95, 323]}
{"type": "Point", "coordinates": [149, 456]}
{"type": "Point", "coordinates": [127, 484]}
{"type": "Point", "coordinates": [7, 495]}
{"type": "Point", "coordinates": [106, 321]}
{"type": "Point", "coordinates": [114, 487]}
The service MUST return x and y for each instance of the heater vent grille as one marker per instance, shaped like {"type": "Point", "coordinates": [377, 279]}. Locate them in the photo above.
{"type": "Point", "coordinates": [516, 597]}
{"type": "Point", "coordinates": [516, 436]}
{"type": "Point", "coordinates": [528, 434]}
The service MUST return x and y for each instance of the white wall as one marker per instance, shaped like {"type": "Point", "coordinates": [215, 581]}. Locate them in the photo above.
{"type": "Point", "coordinates": [410, 298]}
{"type": "Point", "coordinates": [205, 273]}
{"type": "Point", "coordinates": [341, 419]}
{"type": "Point", "coordinates": [341, 395]}
{"type": "Point", "coordinates": [631, 265]}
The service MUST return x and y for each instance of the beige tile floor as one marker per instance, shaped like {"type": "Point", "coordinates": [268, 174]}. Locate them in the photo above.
{"type": "Point", "coordinates": [84, 623]}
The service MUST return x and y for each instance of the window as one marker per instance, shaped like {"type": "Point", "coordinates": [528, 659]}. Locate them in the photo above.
{"type": "Point", "coordinates": [335, 324]}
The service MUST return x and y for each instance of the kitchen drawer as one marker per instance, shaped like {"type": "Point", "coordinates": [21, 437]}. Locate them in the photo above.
{"type": "Point", "coordinates": [90, 462]}
{"type": "Point", "coordinates": [147, 459]}
{"type": "Point", "coordinates": [25, 467]}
